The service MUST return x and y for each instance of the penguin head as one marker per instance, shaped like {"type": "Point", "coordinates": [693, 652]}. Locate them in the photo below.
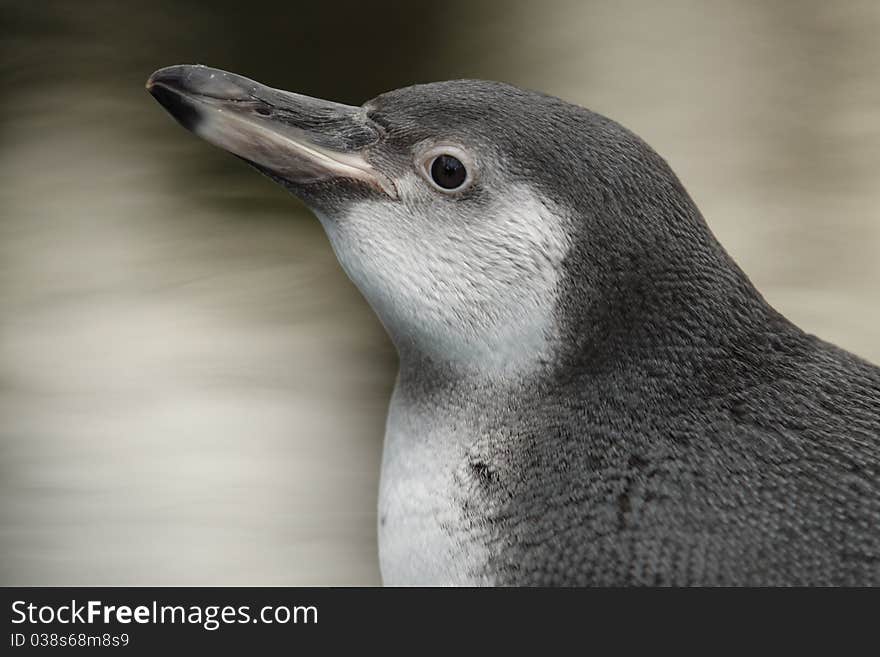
{"type": "Point", "coordinates": [480, 221]}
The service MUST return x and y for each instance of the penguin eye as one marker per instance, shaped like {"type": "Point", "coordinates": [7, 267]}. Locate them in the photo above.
{"type": "Point", "coordinates": [448, 172]}
{"type": "Point", "coordinates": [449, 168]}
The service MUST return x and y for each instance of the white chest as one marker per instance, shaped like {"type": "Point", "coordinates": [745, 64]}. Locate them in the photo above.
{"type": "Point", "coordinates": [424, 536]}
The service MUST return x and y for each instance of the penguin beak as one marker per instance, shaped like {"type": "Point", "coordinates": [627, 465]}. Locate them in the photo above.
{"type": "Point", "coordinates": [296, 138]}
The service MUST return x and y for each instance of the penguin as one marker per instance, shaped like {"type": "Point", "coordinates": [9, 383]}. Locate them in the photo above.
{"type": "Point", "coordinates": [590, 391]}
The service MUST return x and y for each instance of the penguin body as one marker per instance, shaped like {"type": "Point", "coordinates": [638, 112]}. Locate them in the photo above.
{"type": "Point", "coordinates": [591, 392]}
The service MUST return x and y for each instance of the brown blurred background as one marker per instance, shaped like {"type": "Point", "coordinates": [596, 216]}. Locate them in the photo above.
{"type": "Point", "coordinates": [191, 392]}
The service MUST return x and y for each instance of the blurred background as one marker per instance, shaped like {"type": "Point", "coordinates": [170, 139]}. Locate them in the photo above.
{"type": "Point", "coordinates": [191, 391]}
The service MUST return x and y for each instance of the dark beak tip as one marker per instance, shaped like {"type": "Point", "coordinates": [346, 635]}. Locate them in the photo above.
{"type": "Point", "coordinates": [198, 80]}
{"type": "Point", "coordinates": [150, 84]}
{"type": "Point", "coordinates": [169, 76]}
{"type": "Point", "coordinates": [177, 105]}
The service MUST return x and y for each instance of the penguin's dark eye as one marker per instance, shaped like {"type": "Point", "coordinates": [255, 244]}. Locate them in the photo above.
{"type": "Point", "coordinates": [447, 167]}
{"type": "Point", "coordinates": [448, 172]}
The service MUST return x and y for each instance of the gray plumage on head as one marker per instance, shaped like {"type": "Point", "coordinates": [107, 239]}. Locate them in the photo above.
{"type": "Point", "coordinates": [591, 391]}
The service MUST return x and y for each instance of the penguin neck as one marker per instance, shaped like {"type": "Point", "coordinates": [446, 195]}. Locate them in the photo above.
{"type": "Point", "coordinates": [685, 309]}
{"type": "Point", "coordinates": [428, 386]}
{"type": "Point", "coordinates": [515, 352]}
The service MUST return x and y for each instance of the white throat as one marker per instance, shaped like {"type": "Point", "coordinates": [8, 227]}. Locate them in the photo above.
{"type": "Point", "coordinates": [474, 291]}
